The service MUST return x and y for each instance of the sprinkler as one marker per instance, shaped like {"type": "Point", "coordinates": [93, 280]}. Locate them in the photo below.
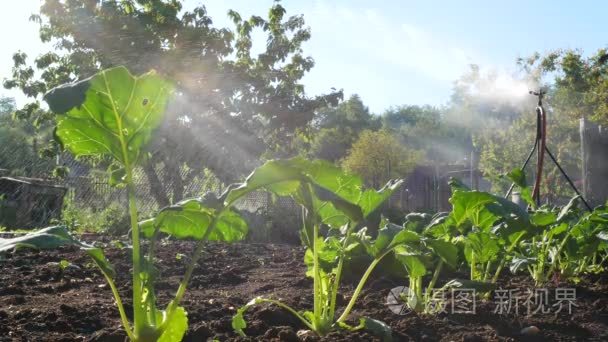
{"type": "Point", "coordinates": [540, 147]}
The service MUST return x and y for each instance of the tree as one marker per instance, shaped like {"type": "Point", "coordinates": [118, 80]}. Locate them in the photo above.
{"type": "Point", "coordinates": [580, 87]}
{"type": "Point", "coordinates": [18, 144]}
{"type": "Point", "coordinates": [334, 129]}
{"type": "Point", "coordinates": [231, 105]}
{"type": "Point", "coordinates": [378, 157]}
{"type": "Point", "coordinates": [424, 128]}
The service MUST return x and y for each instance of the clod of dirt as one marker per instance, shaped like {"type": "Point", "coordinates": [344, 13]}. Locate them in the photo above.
{"type": "Point", "coordinates": [199, 333]}
{"type": "Point", "coordinates": [472, 338]}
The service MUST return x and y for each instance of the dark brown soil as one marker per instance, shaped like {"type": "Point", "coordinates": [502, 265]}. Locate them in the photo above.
{"type": "Point", "coordinates": [41, 302]}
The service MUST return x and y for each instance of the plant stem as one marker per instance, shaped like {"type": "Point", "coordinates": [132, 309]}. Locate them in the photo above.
{"type": "Point", "coordinates": [335, 287]}
{"type": "Point", "coordinates": [123, 315]}
{"type": "Point", "coordinates": [334, 293]}
{"type": "Point", "coordinates": [316, 277]}
{"type": "Point", "coordinates": [292, 311]}
{"type": "Point", "coordinates": [429, 288]}
{"type": "Point", "coordinates": [559, 250]}
{"type": "Point", "coordinates": [359, 287]}
{"type": "Point", "coordinates": [503, 261]}
{"type": "Point", "coordinates": [181, 290]}
{"type": "Point", "coordinates": [486, 273]}
{"type": "Point", "coordinates": [138, 310]}
{"type": "Point", "coordinates": [473, 265]}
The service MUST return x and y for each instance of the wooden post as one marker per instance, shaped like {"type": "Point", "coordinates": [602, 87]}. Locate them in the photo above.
{"type": "Point", "coordinates": [584, 157]}
{"type": "Point", "coordinates": [594, 155]}
{"type": "Point", "coordinates": [474, 173]}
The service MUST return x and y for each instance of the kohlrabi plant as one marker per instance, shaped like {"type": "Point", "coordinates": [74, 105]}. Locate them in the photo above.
{"type": "Point", "coordinates": [114, 114]}
{"type": "Point", "coordinates": [336, 201]}
{"type": "Point", "coordinates": [567, 243]}
{"type": "Point", "coordinates": [488, 226]}
{"type": "Point", "coordinates": [429, 252]}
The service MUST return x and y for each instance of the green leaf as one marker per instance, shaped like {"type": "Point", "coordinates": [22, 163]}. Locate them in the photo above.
{"type": "Point", "coordinates": [238, 320]}
{"type": "Point", "coordinates": [447, 251]}
{"type": "Point", "coordinates": [53, 237]}
{"type": "Point", "coordinates": [277, 176]}
{"type": "Point", "coordinates": [190, 219]}
{"type": "Point", "coordinates": [417, 221]}
{"type": "Point", "coordinates": [568, 209]}
{"type": "Point", "coordinates": [389, 236]}
{"type": "Point", "coordinates": [46, 238]}
{"type": "Point", "coordinates": [63, 264]}
{"type": "Point", "coordinates": [97, 113]}
{"type": "Point", "coordinates": [117, 175]}
{"type": "Point", "coordinates": [519, 178]}
{"type": "Point", "coordinates": [485, 247]}
{"type": "Point", "coordinates": [176, 328]}
{"type": "Point", "coordinates": [414, 263]}
{"type": "Point", "coordinates": [377, 328]}
{"type": "Point", "coordinates": [483, 210]}
{"type": "Point", "coordinates": [472, 206]}
{"type": "Point", "coordinates": [230, 227]}
{"type": "Point", "coordinates": [328, 251]}
{"type": "Point", "coordinates": [543, 218]}
{"type": "Point", "coordinates": [441, 226]}
{"type": "Point", "coordinates": [371, 199]}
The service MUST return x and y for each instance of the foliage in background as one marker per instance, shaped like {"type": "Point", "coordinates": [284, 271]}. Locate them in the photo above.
{"type": "Point", "coordinates": [111, 220]}
{"type": "Point", "coordinates": [224, 90]}
{"type": "Point", "coordinates": [425, 128]}
{"type": "Point", "coordinates": [21, 144]}
{"type": "Point", "coordinates": [378, 157]}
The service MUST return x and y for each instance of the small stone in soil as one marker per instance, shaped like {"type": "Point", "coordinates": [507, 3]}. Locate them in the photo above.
{"type": "Point", "coordinates": [530, 331]}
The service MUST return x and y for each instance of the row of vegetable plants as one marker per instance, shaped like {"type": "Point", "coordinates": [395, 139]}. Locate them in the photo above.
{"type": "Point", "coordinates": [114, 114]}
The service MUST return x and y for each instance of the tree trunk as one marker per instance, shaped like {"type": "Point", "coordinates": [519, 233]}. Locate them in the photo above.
{"type": "Point", "coordinates": [156, 187]}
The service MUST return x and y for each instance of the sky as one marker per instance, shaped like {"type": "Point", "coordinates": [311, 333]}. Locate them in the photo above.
{"type": "Point", "coordinates": [389, 52]}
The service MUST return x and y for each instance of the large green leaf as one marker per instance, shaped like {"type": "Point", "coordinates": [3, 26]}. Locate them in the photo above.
{"type": "Point", "coordinates": [113, 105]}
{"type": "Point", "coordinates": [53, 237]}
{"type": "Point", "coordinates": [484, 210]}
{"type": "Point", "coordinates": [330, 177]}
{"type": "Point", "coordinates": [284, 177]}
{"type": "Point", "coordinates": [472, 206]}
{"type": "Point", "coordinates": [277, 176]}
{"type": "Point", "coordinates": [190, 219]}
{"type": "Point", "coordinates": [371, 199]}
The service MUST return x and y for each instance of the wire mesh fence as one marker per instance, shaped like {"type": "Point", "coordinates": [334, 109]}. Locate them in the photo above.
{"type": "Point", "coordinates": [31, 197]}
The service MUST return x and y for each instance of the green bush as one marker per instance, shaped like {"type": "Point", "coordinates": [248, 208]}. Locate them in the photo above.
{"type": "Point", "coordinates": [110, 220]}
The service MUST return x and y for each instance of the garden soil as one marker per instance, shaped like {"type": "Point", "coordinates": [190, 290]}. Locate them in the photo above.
{"type": "Point", "coordinates": [41, 301]}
